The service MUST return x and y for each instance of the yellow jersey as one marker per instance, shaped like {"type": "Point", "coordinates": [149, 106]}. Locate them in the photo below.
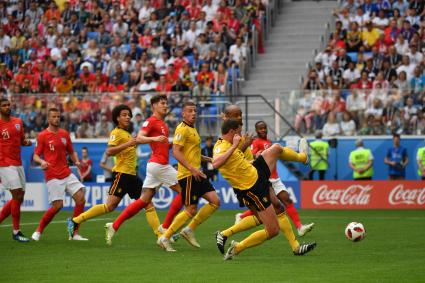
{"type": "Point", "coordinates": [237, 170]}
{"type": "Point", "coordinates": [125, 160]}
{"type": "Point", "coordinates": [187, 137]}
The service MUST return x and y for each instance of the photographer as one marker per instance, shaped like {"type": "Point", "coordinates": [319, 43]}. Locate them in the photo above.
{"type": "Point", "coordinates": [397, 160]}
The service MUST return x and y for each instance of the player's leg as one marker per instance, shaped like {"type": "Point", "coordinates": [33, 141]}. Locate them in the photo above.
{"type": "Point", "coordinates": [77, 192]}
{"type": "Point", "coordinates": [182, 217]}
{"type": "Point", "coordinates": [206, 191]}
{"type": "Point", "coordinates": [56, 206]}
{"type": "Point", "coordinates": [175, 207]}
{"type": "Point", "coordinates": [116, 193]}
{"type": "Point", "coordinates": [15, 211]}
{"type": "Point", "coordinates": [153, 219]}
{"type": "Point", "coordinates": [240, 216]}
{"type": "Point", "coordinates": [271, 229]}
{"type": "Point", "coordinates": [13, 179]}
{"type": "Point", "coordinates": [289, 154]}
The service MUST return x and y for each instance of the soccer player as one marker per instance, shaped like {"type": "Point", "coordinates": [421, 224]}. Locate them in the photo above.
{"type": "Point", "coordinates": [251, 185]}
{"type": "Point", "coordinates": [12, 174]}
{"type": "Point", "coordinates": [125, 181]}
{"type": "Point", "coordinates": [258, 146]}
{"type": "Point", "coordinates": [158, 171]}
{"type": "Point", "coordinates": [231, 111]}
{"type": "Point", "coordinates": [53, 145]}
{"type": "Point", "coordinates": [194, 183]}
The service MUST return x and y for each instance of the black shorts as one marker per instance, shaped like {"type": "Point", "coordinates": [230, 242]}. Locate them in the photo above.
{"type": "Point", "coordinates": [258, 196]}
{"type": "Point", "coordinates": [123, 184]}
{"type": "Point", "coordinates": [193, 190]}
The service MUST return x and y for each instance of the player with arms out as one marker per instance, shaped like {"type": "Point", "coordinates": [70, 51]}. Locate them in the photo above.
{"type": "Point", "coordinates": [53, 145]}
{"type": "Point", "coordinates": [194, 183]}
{"type": "Point", "coordinates": [12, 174]}
{"type": "Point", "coordinates": [124, 178]}
{"type": "Point", "coordinates": [158, 171]}
{"type": "Point", "coordinates": [260, 144]}
{"type": "Point", "coordinates": [250, 183]}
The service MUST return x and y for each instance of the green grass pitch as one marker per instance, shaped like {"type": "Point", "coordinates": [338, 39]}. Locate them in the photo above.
{"type": "Point", "coordinates": [393, 251]}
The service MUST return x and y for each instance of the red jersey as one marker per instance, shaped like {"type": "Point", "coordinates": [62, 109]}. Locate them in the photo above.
{"type": "Point", "coordinates": [160, 150]}
{"type": "Point", "coordinates": [53, 147]}
{"type": "Point", "coordinates": [12, 134]}
{"type": "Point", "coordinates": [259, 144]}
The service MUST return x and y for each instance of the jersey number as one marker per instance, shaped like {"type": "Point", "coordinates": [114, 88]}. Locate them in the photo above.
{"type": "Point", "coordinates": [5, 135]}
{"type": "Point", "coordinates": [52, 148]}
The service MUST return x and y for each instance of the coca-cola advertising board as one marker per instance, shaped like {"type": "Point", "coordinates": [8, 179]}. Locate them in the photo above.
{"type": "Point", "coordinates": [363, 194]}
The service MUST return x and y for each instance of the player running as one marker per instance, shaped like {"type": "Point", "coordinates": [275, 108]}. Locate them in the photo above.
{"type": "Point", "coordinates": [53, 144]}
{"type": "Point", "coordinates": [158, 172]}
{"type": "Point", "coordinates": [258, 146]}
{"type": "Point", "coordinates": [251, 185]}
{"type": "Point", "coordinates": [194, 183]}
{"type": "Point", "coordinates": [12, 174]}
{"type": "Point", "coordinates": [125, 181]}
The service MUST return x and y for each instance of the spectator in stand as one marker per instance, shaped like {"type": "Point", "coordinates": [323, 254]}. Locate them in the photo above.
{"type": "Point", "coordinates": [397, 159]}
{"type": "Point", "coordinates": [305, 113]}
{"type": "Point", "coordinates": [348, 126]}
{"type": "Point", "coordinates": [331, 127]}
{"type": "Point", "coordinates": [350, 75]}
{"type": "Point", "coordinates": [370, 36]}
{"type": "Point", "coordinates": [207, 167]}
{"type": "Point", "coordinates": [84, 171]}
{"type": "Point", "coordinates": [107, 163]}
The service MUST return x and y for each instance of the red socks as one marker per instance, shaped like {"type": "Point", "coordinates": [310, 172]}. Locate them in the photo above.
{"type": "Point", "coordinates": [47, 217]}
{"type": "Point", "coordinates": [129, 212]}
{"type": "Point", "coordinates": [293, 214]}
{"type": "Point", "coordinates": [175, 207]}
{"type": "Point", "coordinates": [78, 209]}
{"type": "Point", "coordinates": [5, 212]}
{"type": "Point", "coordinates": [15, 210]}
{"type": "Point", "coordinates": [246, 213]}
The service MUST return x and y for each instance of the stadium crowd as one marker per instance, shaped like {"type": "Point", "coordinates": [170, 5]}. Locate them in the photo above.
{"type": "Point", "coordinates": [370, 78]}
{"type": "Point", "coordinates": [89, 55]}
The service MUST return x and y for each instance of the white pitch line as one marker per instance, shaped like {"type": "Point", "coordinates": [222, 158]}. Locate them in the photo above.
{"type": "Point", "coordinates": [54, 222]}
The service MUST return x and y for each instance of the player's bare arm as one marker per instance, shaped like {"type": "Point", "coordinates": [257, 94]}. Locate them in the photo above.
{"type": "Point", "coordinates": [247, 142]}
{"type": "Point", "coordinates": [178, 154]}
{"type": "Point", "coordinates": [220, 160]}
{"type": "Point", "coordinates": [75, 160]}
{"type": "Point", "coordinates": [142, 138]}
{"type": "Point", "coordinates": [43, 163]}
{"type": "Point", "coordinates": [114, 150]}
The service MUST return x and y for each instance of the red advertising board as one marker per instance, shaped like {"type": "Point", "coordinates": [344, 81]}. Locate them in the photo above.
{"type": "Point", "coordinates": [363, 194]}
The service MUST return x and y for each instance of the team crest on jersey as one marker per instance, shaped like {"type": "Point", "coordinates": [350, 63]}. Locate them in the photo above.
{"type": "Point", "coordinates": [178, 137]}
{"type": "Point", "coordinates": [217, 150]}
{"type": "Point", "coordinates": [112, 138]}
{"type": "Point", "coordinates": [18, 127]}
{"type": "Point", "coordinates": [63, 141]}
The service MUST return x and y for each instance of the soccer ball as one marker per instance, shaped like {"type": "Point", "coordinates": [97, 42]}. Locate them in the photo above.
{"type": "Point", "coordinates": [355, 231]}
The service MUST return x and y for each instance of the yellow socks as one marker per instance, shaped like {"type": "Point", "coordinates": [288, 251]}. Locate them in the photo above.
{"type": "Point", "coordinates": [91, 213]}
{"type": "Point", "coordinates": [202, 215]}
{"type": "Point", "coordinates": [153, 220]}
{"type": "Point", "coordinates": [177, 223]}
{"type": "Point", "coordinates": [286, 228]}
{"type": "Point", "coordinates": [289, 154]}
{"type": "Point", "coordinates": [245, 224]}
{"type": "Point", "coordinates": [255, 239]}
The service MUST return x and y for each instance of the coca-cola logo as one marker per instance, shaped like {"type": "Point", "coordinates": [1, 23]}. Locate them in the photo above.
{"type": "Point", "coordinates": [353, 195]}
{"type": "Point", "coordinates": [399, 195]}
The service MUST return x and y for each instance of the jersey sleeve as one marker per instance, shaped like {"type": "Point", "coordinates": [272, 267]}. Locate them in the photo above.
{"type": "Point", "coordinates": [147, 126]}
{"type": "Point", "coordinates": [180, 136]}
{"type": "Point", "coordinates": [39, 144]}
{"type": "Point", "coordinates": [254, 147]}
{"type": "Point", "coordinates": [114, 139]}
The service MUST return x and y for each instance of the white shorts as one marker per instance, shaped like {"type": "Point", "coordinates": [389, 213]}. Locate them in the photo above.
{"type": "Point", "coordinates": [12, 177]}
{"type": "Point", "coordinates": [158, 175]}
{"type": "Point", "coordinates": [57, 187]}
{"type": "Point", "coordinates": [278, 186]}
